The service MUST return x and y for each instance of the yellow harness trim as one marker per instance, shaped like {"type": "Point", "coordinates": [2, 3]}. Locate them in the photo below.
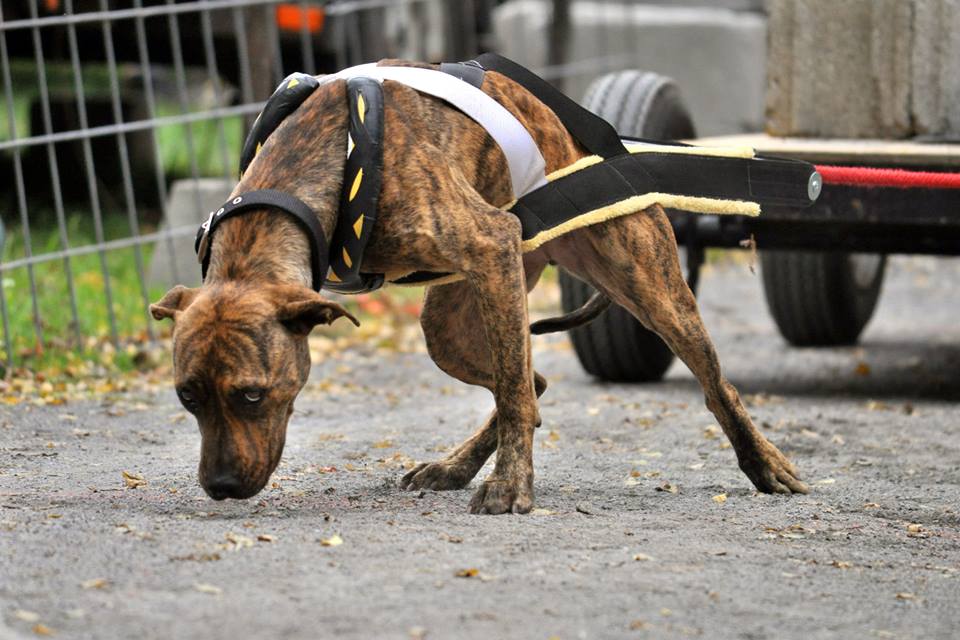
{"type": "Point", "coordinates": [639, 203]}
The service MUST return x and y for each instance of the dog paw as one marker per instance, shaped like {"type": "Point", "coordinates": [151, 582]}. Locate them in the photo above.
{"type": "Point", "coordinates": [496, 496]}
{"type": "Point", "coordinates": [436, 476]}
{"type": "Point", "coordinates": [771, 471]}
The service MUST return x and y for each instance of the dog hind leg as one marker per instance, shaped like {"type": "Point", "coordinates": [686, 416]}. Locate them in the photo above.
{"type": "Point", "coordinates": [633, 260]}
{"type": "Point", "coordinates": [450, 322]}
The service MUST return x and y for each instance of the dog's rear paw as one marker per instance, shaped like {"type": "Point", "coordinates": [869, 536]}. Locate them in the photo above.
{"type": "Point", "coordinates": [771, 472]}
{"type": "Point", "coordinates": [436, 476]}
{"type": "Point", "coordinates": [497, 496]}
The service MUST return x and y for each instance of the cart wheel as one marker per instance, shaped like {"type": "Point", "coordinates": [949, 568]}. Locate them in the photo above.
{"type": "Point", "coordinates": [616, 346]}
{"type": "Point", "coordinates": [821, 299]}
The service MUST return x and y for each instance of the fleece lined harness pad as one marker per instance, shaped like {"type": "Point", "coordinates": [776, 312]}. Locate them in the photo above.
{"type": "Point", "coordinates": [623, 175]}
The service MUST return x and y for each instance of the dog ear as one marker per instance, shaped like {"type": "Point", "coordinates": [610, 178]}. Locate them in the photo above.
{"type": "Point", "coordinates": [175, 301]}
{"type": "Point", "coordinates": [302, 314]}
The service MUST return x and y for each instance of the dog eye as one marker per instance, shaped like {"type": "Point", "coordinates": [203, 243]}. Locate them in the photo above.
{"type": "Point", "coordinates": [253, 396]}
{"type": "Point", "coordinates": [187, 399]}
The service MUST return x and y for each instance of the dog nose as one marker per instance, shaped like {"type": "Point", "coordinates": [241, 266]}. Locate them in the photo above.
{"type": "Point", "coordinates": [224, 486]}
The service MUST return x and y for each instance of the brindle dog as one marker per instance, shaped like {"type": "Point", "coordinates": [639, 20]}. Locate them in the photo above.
{"type": "Point", "coordinates": [240, 340]}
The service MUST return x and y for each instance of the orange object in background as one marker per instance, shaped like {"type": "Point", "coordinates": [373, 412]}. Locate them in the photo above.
{"type": "Point", "coordinates": [293, 17]}
{"type": "Point", "coordinates": [51, 5]}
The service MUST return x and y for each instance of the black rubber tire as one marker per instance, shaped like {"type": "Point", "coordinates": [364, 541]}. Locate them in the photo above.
{"type": "Point", "coordinates": [821, 299]}
{"type": "Point", "coordinates": [615, 346]}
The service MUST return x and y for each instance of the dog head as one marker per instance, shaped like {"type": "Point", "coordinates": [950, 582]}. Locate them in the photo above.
{"type": "Point", "coordinates": [240, 358]}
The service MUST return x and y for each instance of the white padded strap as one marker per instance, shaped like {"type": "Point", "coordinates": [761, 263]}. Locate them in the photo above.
{"type": "Point", "coordinates": [527, 168]}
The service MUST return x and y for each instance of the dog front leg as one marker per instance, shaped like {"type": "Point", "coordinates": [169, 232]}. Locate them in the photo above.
{"type": "Point", "coordinates": [501, 298]}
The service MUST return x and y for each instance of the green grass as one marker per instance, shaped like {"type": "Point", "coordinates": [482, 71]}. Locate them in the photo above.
{"type": "Point", "coordinates": [207, 145]}
{"type": "Point", "coordinates": [53, 295]}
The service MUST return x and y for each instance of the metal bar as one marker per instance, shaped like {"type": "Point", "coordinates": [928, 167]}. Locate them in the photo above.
{"type": "Point", "coordinates": [91, 174]}
{"type": "Point", "coordinates": [273, 39]}
{"type": "Point", "coordinates": [138, 125]}
{"type": "Point", "coordinates": [55, 175]}
{"type": "Point", "coordinates": [21, 194]}
{"type": "Point", "coordinates": [306, 42]}
{"type": "Point", "coordinates": [141, 12]}
{"type": "Point", "coordinates": [109, 245]}
{"type": "Point", "coordinates": [355, 6]}
{"type": "Point", "coordinates": [7, 338]}
{"type": "Point", "coordinates": [243, 52]}
{"type": "Point", "coordinates": [147, 73]}
{"type": "Point", "coordinates": [127, 178]}
{"type": "Point", "coordinates": [181, 79]}
{"type": "Point", "coordinates": [213, 75]}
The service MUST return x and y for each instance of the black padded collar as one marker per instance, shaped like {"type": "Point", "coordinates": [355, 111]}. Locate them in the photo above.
{"type": "Point", "coordinates": [268, 199]}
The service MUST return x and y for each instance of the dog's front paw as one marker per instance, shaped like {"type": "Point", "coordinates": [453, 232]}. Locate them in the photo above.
{"type": "Point", "coordinates": [497, 495]}
{"type": "Point", "coordinates": [436, 476]}
{"type": "Point", "coordinates": [771, 472]}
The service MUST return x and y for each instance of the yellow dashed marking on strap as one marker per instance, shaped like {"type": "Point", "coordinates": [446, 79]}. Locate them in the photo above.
{"type": "Point", "coordinates": [293, 82]}
{"type": "Point", "coordinates": [356, 184]}
{"type": "Point", "coordinates": [346, 258]}
{"type": "Point", "coordinates": [358, 225]}
{"type": "Point", "coordinates": [257, 150]}
{"type": "Point", "coordinates": [361, 107]}
{"type": "Point", "coordinates": [333, 277]}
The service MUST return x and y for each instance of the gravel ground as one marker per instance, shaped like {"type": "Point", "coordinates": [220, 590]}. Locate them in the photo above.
{"type": "Point", "coordinates": [630, 538]}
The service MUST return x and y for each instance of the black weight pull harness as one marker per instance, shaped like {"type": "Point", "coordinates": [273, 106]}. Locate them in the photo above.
{"type": "Point", "coordinates": [615, 180]}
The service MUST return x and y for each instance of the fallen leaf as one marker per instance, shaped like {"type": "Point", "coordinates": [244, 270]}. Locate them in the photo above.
{"type": "Point", "coordinates": [642, 557]}
{"type": "Point", "coordinates": [383, 444]}
{"type": "Point", "coordinates": [871, 505]}
{"type": "Point", "coordinates": [467, 573]}
{"type": "Point", "coordinates": [26, 616]}
{"type": "Point", "coordinates": [95, 583]}
{"type": "Point", "coordinates": [668, 488]}
{"type": "Point", "coordinates": [333, 541]}
{"type": "Point", "coordinates": [133, 480]}
{"type": "Point", "coordinates": [203, 587]}
{"type": "Point", "coordinates": [720, 498]}
{"type": "Point", "coordinates": [42, 630]}
{"type": "Point", "coordinates": [237, 541]}
{"type": "Point", "coordinates": [862, 369]}
{"type": "Point", "coordinates": [712, 432]}
{"type": "Point", "coordinates": [841, 564]}
{"type": "Point", "coordinates": [906, 596]}
{"type": "Point", "coordinates": [265, 537]}
{"type": "Point", "coordinates": [542, 512]}
{"type": "Point", "coordinates": [417, 633]}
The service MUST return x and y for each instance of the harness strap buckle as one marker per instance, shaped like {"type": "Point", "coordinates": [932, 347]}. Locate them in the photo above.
{"type": "Point", "coordinates": [203, 244]}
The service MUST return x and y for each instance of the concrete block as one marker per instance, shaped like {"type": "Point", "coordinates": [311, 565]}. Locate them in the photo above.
{"type": "Point", "coordinates": [716, 55]}
{"type": "Point", "coordinates": [863, 68]}
{"type": "Point", "coordinates": [188, 205]}
{"type": "Point", "coordinates": [936, 67]}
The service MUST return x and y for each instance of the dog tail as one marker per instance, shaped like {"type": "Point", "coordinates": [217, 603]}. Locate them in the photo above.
{"type": "Point", "coordinates": [592, 308]}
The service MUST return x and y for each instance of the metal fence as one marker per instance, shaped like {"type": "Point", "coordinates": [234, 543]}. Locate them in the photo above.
{"type": "Point", "coordinates": [107, 103]}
